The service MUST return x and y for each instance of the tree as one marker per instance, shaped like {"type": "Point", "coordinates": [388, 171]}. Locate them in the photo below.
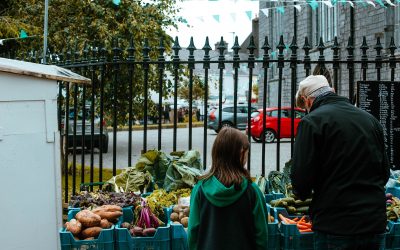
{"type": "Point", "coordinates": [198, 88]}
{"type": "Point", "coordinates": [78, 24]}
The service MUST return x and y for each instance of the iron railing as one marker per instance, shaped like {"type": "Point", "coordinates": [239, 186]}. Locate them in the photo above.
{"type": "Point", "coordinates": [111, 70]}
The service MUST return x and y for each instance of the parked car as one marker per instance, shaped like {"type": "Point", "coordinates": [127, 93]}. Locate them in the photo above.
{"type": "Point", "coordinates": [271, 124]}
{"type": "Point", "coordinates": [88, 130]}
{"type": "Point", "coordinates": [227, 116]}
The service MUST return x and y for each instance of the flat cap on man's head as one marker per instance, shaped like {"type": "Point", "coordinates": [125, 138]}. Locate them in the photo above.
{"type": "Point", "coordinates": [308, 86]}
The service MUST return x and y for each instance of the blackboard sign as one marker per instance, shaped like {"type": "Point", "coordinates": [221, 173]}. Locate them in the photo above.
{"type": "Point", "coordinates": [382, 100]}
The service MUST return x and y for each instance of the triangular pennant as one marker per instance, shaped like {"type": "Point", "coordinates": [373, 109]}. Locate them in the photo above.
{"type": "Point", "coordinates": [116, 2]}
{"type": "Point", "coordinates": [298, 7]}
{"type": "Point", "coordinates": [22, 34]}
{"type": "Point", "coordinates": [351, 4]}
{"type": "Point", "coordinates": [273, 53]}
{"type": "Point", "coordinates": [265, 11]}
{"type": "Point", "coordinates": [343, 2]}
{"type": "Point", "coordinates": [328, 3]}
{"type": "Point", "coordinates": [281, 9]}
{"type": "Point", "coordinates": [390, 3]}
{"type": "Point", "coordinates": [216, 17]}
{"type": "Point", "coordinates": [371, 3]}
{"type": "Point", "coordinates": [249, 14]}
{"type": "Point", "coordinates": [334, 2]}
{"type": "Point", "coordinates": [313, 4]}
{"type": "Point", "coordinates": [233, 15]}
{"type": "Point", "coordinates": [381, 3]}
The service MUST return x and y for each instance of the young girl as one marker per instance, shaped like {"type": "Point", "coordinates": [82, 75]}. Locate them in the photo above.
{"type": "Point", "coordinates": [227, 210]}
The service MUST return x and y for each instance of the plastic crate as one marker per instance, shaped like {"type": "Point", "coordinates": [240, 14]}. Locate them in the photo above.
{"type": "Point", "coordinates": [273, 196]}
{"type": "Point", "coordinates": [179, 239]}
{"type": "Point", "coordinates": [105, 240]}
{"type": "Point", "coordinates": [291, 238]}
{"type": "Point", "coordinates": [395, 191]}
{"type": "Point", "coordinates": [274, 234]}
{"type": "Point", "coordinates": [393, 236]}
{"type": "Point", "coordinates": [124, 240]}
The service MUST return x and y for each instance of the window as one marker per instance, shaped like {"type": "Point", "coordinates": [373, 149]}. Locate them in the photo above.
{"type": "Point", "coordinates": [326, 23]}
{"type": "Point", "coordinates": [228, 110]}
{"type": "Point", "coordinates": [299, 114]}
{"type": "Point", "coordinates": [284, 113]}
{"type": "Point", "coordinates": [396, 25]}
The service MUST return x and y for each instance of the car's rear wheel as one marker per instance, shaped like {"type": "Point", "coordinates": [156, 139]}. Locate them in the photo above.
{"type": "Point", "coordinates": [269, 136]}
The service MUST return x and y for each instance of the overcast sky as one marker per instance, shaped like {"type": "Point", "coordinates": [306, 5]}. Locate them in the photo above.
{"type": "Point", "coordinates": [227, 18]}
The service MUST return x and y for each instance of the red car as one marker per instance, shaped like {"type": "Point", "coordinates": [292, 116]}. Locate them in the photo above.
{"type": "Point", "coordinates": [271, 125]}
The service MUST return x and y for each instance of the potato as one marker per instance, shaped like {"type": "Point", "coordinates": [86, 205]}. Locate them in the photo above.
{"type": "Point", "coordinates": [108, 208]}
{"type": "Point", "coordinates": [185, 221]}
{"type": "Point", "coordinates": [177, 208]}
{"type": "Point", "coordinates": [149, 231]}
{"type": "Point", "coordinates": [174, 216]}
{"type": "Point", "coordinates": [110, 216]}
{"type": "Point", "coordinates": [88, 218]}
{"type": "Point", "coordinates": [181, 215]}
{"type": "Point", "coordinates": [91, 232]}
{"type": "Point", "coordinates": [90, 238]}
{"type": "Point", "coordinates": [125, 225]}
{"type": "Point", "coordinates": [73, 226]}
{"type": "Point", "coordinates": [186, 211]}
{"type": "Point", "coordinates": [137, 231]}
{"type": "Point", "coordinates": [104, 223]}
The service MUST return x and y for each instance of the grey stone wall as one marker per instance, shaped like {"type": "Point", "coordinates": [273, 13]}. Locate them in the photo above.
{"type": "Point", "coordinates": [368, 21]}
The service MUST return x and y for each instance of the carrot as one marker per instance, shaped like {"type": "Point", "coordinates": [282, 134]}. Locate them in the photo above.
{"type": "Point", "coordinates": [305, 230]}
{"type": "Point", "coordinates": [286, 220]}
{"type": "Point", "coordinates": [303, 218]}
{"type": "Point", "coordinates": [302, 227]}
{"type": "Point", "coordinates": [307, 224]}
{"type": "Point", "coordinates": [283, 218]}
{"type": "Point", "coordinates": [296, 219]}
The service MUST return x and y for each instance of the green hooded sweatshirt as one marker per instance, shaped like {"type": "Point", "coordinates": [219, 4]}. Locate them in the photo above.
{"type": "Point", "coordinates": [226, 218]}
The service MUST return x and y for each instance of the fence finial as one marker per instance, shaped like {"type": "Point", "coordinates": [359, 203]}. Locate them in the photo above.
{"type": "Point", "coordinates": [266, 49]}
{"type": "Point", "coordinates": [364, 58]}
{"type": "Point", "coordinates": [392, 57]}
{"type": "Point", "coordinates": [206, 48]}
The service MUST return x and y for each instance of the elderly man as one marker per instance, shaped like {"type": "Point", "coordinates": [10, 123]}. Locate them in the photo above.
{"type": "Point", "coordinates": [340, 159]}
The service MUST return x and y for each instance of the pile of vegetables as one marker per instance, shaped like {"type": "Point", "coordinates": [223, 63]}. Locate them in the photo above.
{"type": "Point", "coordinates": [180, 215]}
{"type": "Point", "coordinates": [94, 199]}
{"type": "Point", "coordinates": [146, 222]}
{"type": "Point", "coordinates": [393, 207]}
{"type": "Point", "coordinates": [88, 224]}
{"type": "Point", "coordinates": [292, 204]}
{"type": "Point", "coordinates": [303, 224]}
{"type": "Point", "coordinates": [160, 198]}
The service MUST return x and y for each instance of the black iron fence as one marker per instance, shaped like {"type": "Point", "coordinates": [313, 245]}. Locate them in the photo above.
{"type": "Point", "coordinates": [122, 81]}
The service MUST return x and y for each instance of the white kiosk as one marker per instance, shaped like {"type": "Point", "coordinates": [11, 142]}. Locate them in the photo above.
{"type": "Point", "coordinates": [30, 183]}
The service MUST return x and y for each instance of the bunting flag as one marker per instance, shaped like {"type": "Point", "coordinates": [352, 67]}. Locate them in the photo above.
{"type": "Point", "coordinates": [390, 3]}
{"type": "Point", "coordinates": [233, 16]}
{"type": "Point", "coordinates": [381, 3]}
{"type": "Point", "coordinates": [371, 3]}
{"type": "Point", "coordinates": [328, 3]}
{"type": "Point", "coordinates": [22, 34]}
{"type": "Point", "coordinates": [265, 11]}
{"type": "Point", "coordinates": [313, 4]}
{"type": "Point", "coordinates": [116, 2]}
{"type": "Point", "coordinates": [281, 9]}
{"type": "Point", "coordinates": [298, 7]}
{"type": "Point", "coordinates": [249, 14]}
{"type": "Point", "coordinates": [351, 4]}
{"type": "Point", "coordinates": [216, 17]}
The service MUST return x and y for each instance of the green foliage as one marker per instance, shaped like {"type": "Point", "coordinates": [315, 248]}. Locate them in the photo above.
{"type": "Point", "coordinates": [75, 26]}
{"type": "Point", "coordinates": [198, 88]}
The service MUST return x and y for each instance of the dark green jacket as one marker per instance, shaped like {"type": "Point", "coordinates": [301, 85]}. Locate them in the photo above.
{"type": "Point", "coordinates": [340, 154]}
{"type": "Point", "coordinates": [225, 218]}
